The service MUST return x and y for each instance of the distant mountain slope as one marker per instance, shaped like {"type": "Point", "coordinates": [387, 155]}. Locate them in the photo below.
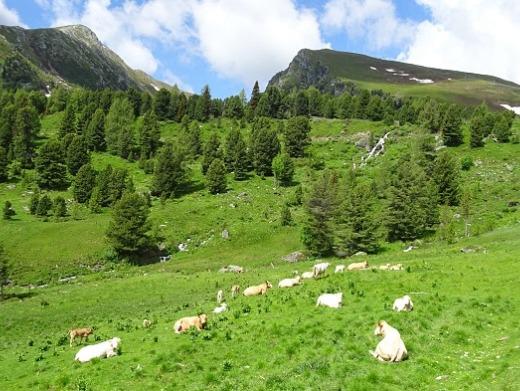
{"type": "Point", "coordinates": [72, 55]}
{"type": "Point", "coordinates": [329, 70]}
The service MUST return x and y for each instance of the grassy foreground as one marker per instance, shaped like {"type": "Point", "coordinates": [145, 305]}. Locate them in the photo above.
{"type": "Point", "coordinates": [463, 333]}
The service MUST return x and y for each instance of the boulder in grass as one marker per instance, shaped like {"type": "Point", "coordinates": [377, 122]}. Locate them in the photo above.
{"type": "Point", "coordinates": [232, 269]}
{"type": "Point", "coordinates": [295, 256]}
{"type": "Point", "coordinates": [360, 254]}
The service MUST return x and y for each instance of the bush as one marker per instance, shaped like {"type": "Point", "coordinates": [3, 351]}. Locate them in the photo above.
{"type": "Point", "coordinates": [466, 163]}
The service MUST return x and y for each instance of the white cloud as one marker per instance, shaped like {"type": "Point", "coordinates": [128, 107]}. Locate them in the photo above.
{"type": "Point", "coordinates": [470, 35]}
{"type": "Point", "coordinates": [172, 79]}
{"type": "Point", "coordinates": [9, 17]}
{"type": "Point", "coordinates": [374, 21]}
{"type": "Point", "coordinates": [250, 40]}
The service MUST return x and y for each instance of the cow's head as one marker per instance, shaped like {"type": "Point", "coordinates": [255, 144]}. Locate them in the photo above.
{"type": "Point", "coordinates": [203, 319]}
{"type": "Point", "coordinates": [380, 328]}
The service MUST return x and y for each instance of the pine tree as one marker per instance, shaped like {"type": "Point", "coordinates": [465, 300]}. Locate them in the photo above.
{"type": "Point", "coordinates": [205, 104]}
{"type": "Point", "coordinates": [211, 151]}
{"type": "Point", "coordinates": [451, 127]}
{"type": "Point", "coordinates": [119, 128]}
{"type": "Point", "coordinates": [127, 231]}
{"type": "Point", "coordinates": [236, 157]}
{"type": "Point", "coordinates": [285, 216]}
{"type": "Point", "coordinates": [297, 136]}
{"type": "Point", "coordinates": [84, 184]}
{"type": "Point", "coordinates": [4, 163]}
{"type": "Point", "coordinates": [412, 207]}
{"type": "Point", "coordinates": [161, 104]}
{"type": "Point", "coordinates": [255, 96]}
{"type": "Point", "coordinates": [169, 174]}
{"type": "Point", "coordinates": [190, 139]}
{"type": "Point", "coordinates": [301, 104]}
{"type": "Point", "coordinates": [8, 211]}
{"type": "Point", "coordinates": [44, 206]}
{"type": "Point", "coordinates": [283, 169]}
{"type": "Point", "coordinates": [502, 129]}
{"type": "Point", "coordinates": [77, 154]}
{"type": "Point", "coordinates": [7, 121]}
{"type": "Point", "coordinates": [27, 125]}
{"type": "Point", "coordinates": [216, 177]}
{"type": "Point", "coordinates": [95, 132]}
{"type": "Point", "coordinates": [68, 122]}
{"type": "Point", "coordinates": [50, 167]}
{"type": "Point", "coordinates": [446, 175]}
{"type": "Point", "coordinates": [59, 207]}
{"type": "Point", "coordinates": [119, 183]}
{"type": "Point", "coordinates": [477, 128]}
{"type": "Point", "coordinates": [96, 201]}
{"type": "Point", "coordinates": [264, 147]}
{"type": "Point", "coordinates": [318, 231]}
{"type": "Point", "coordinates": [375, 110]}
{"type": "Point", "coordinates": [103, 185]}
{"type": "Point", "coordinates": [84, 118]}
{"type": "Point", "coordinates": [149, 136]}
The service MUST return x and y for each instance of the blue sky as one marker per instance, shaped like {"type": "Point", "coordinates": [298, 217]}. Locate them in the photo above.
{"type": "Point", "coordinates": [229, 44]}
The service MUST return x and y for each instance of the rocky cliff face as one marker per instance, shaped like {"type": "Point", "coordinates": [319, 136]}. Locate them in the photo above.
{"type": "Point", "coordinates": [71, 55]}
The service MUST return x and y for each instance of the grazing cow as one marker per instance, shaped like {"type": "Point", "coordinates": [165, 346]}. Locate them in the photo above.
{"type": "Point", "coordinates": [290, 282]}
{"type": "Point", "coordinates": [319, 269]}
{"type": "Point", "coordinates": [403, 304]}
{"type": "Point", "coordinates": [183, 324]}
{"type": "Point", "coordinates": [147, 323]}
{"type": "Point", "coordinates": [79, 333]}
{"type": "Point", "coordinates": [220, 296]}
{"type": "Point", "coordinates": [396, 267]}
{"type": "Point", "coordinates": [332, 300]}
{"type": "Point", "coordinates": [339, 269]}
{"type": "Point", "coordinates": [235, 290]}
{"type": "Point", "coordinates": [358, 266]}
{"type": "Point", "coordinates": [386, 266]}
{"type": "Point", "coordinates": [391, 347]}
{"type": "Point", "coordinates": [257, 289]}
{"type": "Point", "coordinates": [101, 350]}
{"type": "Point", "coordinates": [307, 275]}
{"type": "Point", "coordinates": [222, 308]}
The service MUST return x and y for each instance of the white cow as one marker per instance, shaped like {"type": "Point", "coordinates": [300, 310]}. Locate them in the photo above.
{"type": "Point", "coordinates": [220, 296]}
{"type": "Point", "coordinates": [391, 347]}
{"type": "Point", "coordinates": [101, 350]}
{"type": "Point", "coordinates": [289, 282]}
{"type": "Point", "coordinates": [320, 268]}
{"type": "Point", "coordinates": [222, 308]}
{"type": "Point", "coordinates": [358, 266]}
{"type": "Point", "coordinates": [403, 304]}
{"type": "Point", "coordinates": [339, 269]}
{"type": "Point", "coordinates": [307, 275]}
{"type": "Point", "coordinates": [332, 300]}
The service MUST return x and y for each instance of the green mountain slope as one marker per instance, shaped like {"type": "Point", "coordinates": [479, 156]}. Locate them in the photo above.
{"type": "Point", "coordinates": [330, 71]}
{"type": "Point", "coordinates": [70, 55]}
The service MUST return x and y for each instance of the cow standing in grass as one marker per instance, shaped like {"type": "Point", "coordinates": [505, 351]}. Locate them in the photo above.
{"type": "Point", "coordinates": [79, 333]}
{"type": "Point", "coordinates": [258, 289]}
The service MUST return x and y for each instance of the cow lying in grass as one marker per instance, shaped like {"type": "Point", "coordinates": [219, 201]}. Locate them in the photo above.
{"type": "Point", "coordinates": [289, 282]}
{"type": "Point", "coordinates": [101, 350]}
{"type": "Point", "coordinates": [358, 266]}
{"type": "Point", "coordinates": [220, 309]}
{"type": "Point", "coordinates": [391, 348]}
{"type": "Point", "coordinates": [320, 268]}
{"type": "Point", "coordinates": [183, 324]}
{"type": "Point", "coordinates": [307, 275]}
{"type": "Point", "coordinates": [332, 300]}
{"type": "Point", "coordinates": [79, 333]}
{"type": "Point", "coordinates": [388, 266]}
{"type": "Point", "coordinates": [257, 289]}
{"type": "Point", "coordinates": [403, 304]}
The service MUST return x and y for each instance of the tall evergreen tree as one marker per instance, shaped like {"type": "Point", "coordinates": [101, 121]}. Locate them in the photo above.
{"type": "Point", "coordinates": [477, 129]}
{"type": "Point", "coordinates": [77, 154]}
{"type": "Point", "coordinates": [51, 167]}
{"type": "Point", "coordinates": [283, 169]}
{"type": "Point", "coordinates": [103, 184]}
{"type": "Point", "coordinates": [502, 129]}
{"type": "Point", "coordinates": [190, 139]}
{"type": "Point", "coordinates": [451, 126]}
{"type": "Point", "coordinates": [255, 96]}
{"type": "Point", "coordinates": [216, 177]}
{"type": "Point", "coordinates": [204, 104]}
{"type": "Point", "coordinates": [44, 206]}
{"type": "Point", "coordinates": [7, 124]}
{"type": "Point", "coordinates": [95, 132]}
{"type": "Point", "coordinates": [84, 184]}
{"type": "Point", "coordinates": [169, 174]}
{"type": "Point", "coordinates": [27, 125]}
{"type": "Point", "coordinates": [127, 231]}
{"type": "Point", "coordinates": [161, 104]}
{"type": "Point", "coordinates": [297, 136]}
{"type": "Point", "coordinates": [119, 128]}
{"type": "Point", "coordinates": [446, 175]}
{"type": "Point", "coordinates": [264, 147]}
{"type": "Point", "coordinates": [149, 135]}
{"type": "Point", "coordinates": [3, 165]}
{"type": "Point", "coordinates": [68, 122]}
{"type": "Point", "coordinates": [211, 151]}
{"type": "Point", "coordinates": [301, 104]}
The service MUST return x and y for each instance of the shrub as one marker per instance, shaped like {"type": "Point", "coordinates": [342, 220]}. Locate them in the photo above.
{"type": "Point", "coordinates": [466, 163]}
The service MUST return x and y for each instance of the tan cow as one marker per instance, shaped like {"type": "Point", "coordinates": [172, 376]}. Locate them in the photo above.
{"type": "Point", "coordinates": [258, 289]}
{"type": "Point", "coordinates": [183, 324]}
{"type": "Point", "coordinates": [358, 266]}
{"type": "Point", "coordinates": [79, 333]}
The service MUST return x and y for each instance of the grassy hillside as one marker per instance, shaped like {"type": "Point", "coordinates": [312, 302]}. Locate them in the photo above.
{"type": "Point", "coordinates": [462, 335]}
{"type": "Point", "coordinates": [329, 70]}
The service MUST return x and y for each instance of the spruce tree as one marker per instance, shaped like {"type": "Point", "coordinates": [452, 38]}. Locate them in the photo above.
{"type": "Point", "coordinates": [451, 126]}
{"type": "Point", "coordinates": [297, 136]}
{"type": "Point", "coordinates": [446, 175]}
{"type": "Point", "coordinates": [68, 122]}
{"type": "Point", "coordinates": [7, 121]}
{"type": "Point", "coordinates": [44, 206]}
{"type": "Point", "coordinates": [264, 147]}
{"type": "Point", "coordinates": [211, 151]}
{"type": "Point", "coordinates": [502, 129]}
{"type": "Point", "coordinates": [84, 184]}
{"type": "Point", "coordinates": [128, 229]}
{"type": "Point", "coordinates": [190, 139]}
{"type": "Point", "coordinates": [59, 207]}
{"type": "Point", "coordinates": [255, 96]}
{"type": "Point", "coordinates": [96, 202]}
{"type": "Point", "coordinates": [285, 216]}
{"type": "Point", "coordinates": [216, 177]}
{"type": "Point", "coordinates": [51, 167]}
{"type": "Point", "coordinates": [95, 132]}
{"type": "Point", "coordinates": [283, 169]}
{"type": "Point", "coordinates": [4, 163]}
{"type": "Point", "coordinates": [204, 104]}
{"type": "Point", "coordinates": [301, 104]}
{"type": "Point", "coordinates": [119, 128]}
{"type": "Point", "coordinates": [77, 154]}
{"type": "Point", "coordinates": [477, 128]}
{"type": "Point", "coordinates": [161, 104]}
{"type": "Point", "coordinates": [103, 184]}
{"type": "Point", "coordinates": [8, 211]}
{"type": "Point", "coordinates": [169, 174]}
{"type": "Point", "coordinates": [26, 127]}
{"type": "Point", "coordinates": [236, 157]}
{"type": "Point", "coordinates": [149, 136]}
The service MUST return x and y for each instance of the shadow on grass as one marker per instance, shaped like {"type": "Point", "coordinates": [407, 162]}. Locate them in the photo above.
{"type": "Point", "coordinates": [17, 295]}
{"type": "Point", "coordinates": [146, 257]}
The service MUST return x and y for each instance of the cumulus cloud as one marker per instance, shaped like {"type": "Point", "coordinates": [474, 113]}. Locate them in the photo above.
{"type": "Point", "coordinates": [470, 35]}
{"type": "Point", "coordinates": [250, 40]}
{"type": "Point", "coordinates": [8, 16]}
{"type": "Point", "coordinates": [373, 21]}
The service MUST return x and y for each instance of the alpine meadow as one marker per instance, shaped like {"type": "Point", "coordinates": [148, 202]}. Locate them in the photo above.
{"type": "Point", "coordinates": [353, 226]}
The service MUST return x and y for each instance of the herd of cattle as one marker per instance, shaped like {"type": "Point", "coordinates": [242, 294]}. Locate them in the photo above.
{"type": "Point", "coordinates": [391, 348]}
